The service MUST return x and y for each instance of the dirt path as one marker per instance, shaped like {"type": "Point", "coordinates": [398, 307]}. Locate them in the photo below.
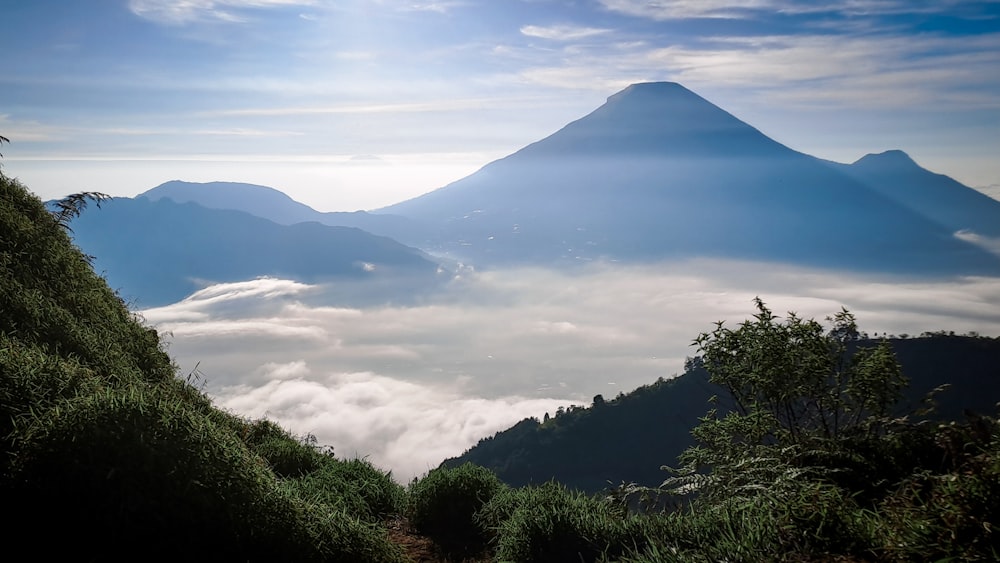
{"type": "Point", "coordinates": [420, 549]}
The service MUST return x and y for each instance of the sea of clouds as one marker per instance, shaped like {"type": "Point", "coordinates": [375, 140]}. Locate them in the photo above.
{"type": "Point", "coordinates": [408, 385]}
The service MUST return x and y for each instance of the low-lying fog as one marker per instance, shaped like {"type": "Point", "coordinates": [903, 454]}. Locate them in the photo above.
{"type": "Point", "coordinates": [407, 386]}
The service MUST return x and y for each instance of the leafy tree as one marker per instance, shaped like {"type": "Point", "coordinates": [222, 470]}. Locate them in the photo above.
{"type": "Point", "coordinates": [788, 385]}
{"type": "Point", "coordinates": [2, 141]}
{"type": "Point", "coordinates": [71, 206]}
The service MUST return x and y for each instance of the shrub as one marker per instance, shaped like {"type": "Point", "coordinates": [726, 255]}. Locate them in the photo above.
{"type": "Point", "coordinates": [443, 505]}
{"type": "Point", "coordinates": [287, 456]}
{"type": "Point", "coordinates": [552, 523]}
{"type": "Point", "coordinates": [123, 472]}
{"type": "Point", "coordinates": [355, 486]}
{"type": "Point", "coordinates": [953, 515]}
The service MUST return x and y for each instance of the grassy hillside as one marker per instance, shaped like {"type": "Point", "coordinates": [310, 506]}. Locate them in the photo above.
{"type": "Point", "coordinates": [108, 455]}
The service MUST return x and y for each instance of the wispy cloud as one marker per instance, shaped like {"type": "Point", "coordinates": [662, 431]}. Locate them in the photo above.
{"type": "Point", "coordinates": [987, 243]}
{"type": "Point", "coordinates": [865, 71]}
{"type": "Point", "coordinates": [829, 69]}
{"type": "Point", "coordinates": [738, 9]}
{"type": "Point", "coordinates": [440, 6]}
{"type": "Point", "coordinates": [177, 12]}
{"type": "Point", "coordinates": [562, 32]}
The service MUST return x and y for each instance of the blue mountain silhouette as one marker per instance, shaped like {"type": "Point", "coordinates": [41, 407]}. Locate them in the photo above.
{"type": "Point", "coordinates": [158, 252]}
{"type": "Point", "coordinates": [660, 172]}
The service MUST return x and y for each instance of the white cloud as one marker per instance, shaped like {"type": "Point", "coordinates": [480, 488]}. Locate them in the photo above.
{"type": "Point", "coordinates": [735, 9]}
{"type": "Point", "coordinates": [441, 7]}
{"type": "Point", "coordinates": [986, 243]}
{"type": "Point", "coordinates": [805, 71]}
{"type": "Point", "coordinates": [682, 9]}
{"type": "Point", "coordinates": [396, 424]}
{"type": "Point", "coordinates": [438, 6]}
{"type": "Point", "coordinates": [562, 32]}
{"type": "Point", "coordinates": [842, 70]}
{"type": "Point", "coordinates": [178, 12]}
{"type": "Point", "coordinates": [411, 385]}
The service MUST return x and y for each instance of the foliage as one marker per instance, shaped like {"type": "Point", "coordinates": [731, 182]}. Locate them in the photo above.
{"type": "Point", "coordinates": [552, 523]}
{"type": "Point", "coordinates": [809, 459]}
{"type": "Point", "coordinates": [790, 381]}
{"type": "Point", "coordinates": [71, 206]}
{"type": "Point", "coordinates": [354, 486]}
{"type": "Point", "coordinates": [953, 515]}
{"type": "Point", "coordinates": [443, 505]}
{"type": "Point", "coordinates": [792, 391]}
{"type": "Point", "coordinates": [287, 456]}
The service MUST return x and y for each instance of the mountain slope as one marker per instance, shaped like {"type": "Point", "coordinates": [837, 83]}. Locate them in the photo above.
{"type": "Point", "coordinates": [629, 438]}
{"type": "Point", "coordinates": [160, 252]}
{"type": "Point", "coordinates": [659, 172]}
{"type": "Point", "coordinates": [958, 207]}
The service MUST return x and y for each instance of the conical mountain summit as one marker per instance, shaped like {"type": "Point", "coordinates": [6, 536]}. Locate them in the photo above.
{"type": "Point", "coordinates": [659, 172]}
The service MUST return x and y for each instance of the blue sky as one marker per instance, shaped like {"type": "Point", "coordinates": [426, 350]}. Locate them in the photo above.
{"type": "Point", "coordinates": [349, 104]}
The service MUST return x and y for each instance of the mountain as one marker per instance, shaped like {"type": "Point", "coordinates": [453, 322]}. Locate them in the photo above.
{"type": "Point", "coordinates": [659, 172]}
{"type": "Point", "coordinates": [276, 206]}
{"type": "Point", "coordinates": [956, 206]}
{"type": "Point", "coordinates": [159, 252]}
{"type": "Point", "coordinates": [628, 438]}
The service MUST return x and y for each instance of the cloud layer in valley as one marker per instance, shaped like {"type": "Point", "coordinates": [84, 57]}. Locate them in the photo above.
{"type": "Point", "coordinates": [409, 386]}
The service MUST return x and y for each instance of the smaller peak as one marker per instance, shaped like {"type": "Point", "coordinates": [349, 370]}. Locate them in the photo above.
{"type": "Point", "coordinates": [895, 157]}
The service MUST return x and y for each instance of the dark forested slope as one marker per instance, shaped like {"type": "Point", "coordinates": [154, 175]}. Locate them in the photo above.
{"type": "Point", "coordinates": [629, 438]}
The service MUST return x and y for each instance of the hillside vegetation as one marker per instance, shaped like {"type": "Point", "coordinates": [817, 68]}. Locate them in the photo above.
{"type": "Point", "coordinates": [627, 438]}
{"type": "Point", "coordinates": [109, 455]}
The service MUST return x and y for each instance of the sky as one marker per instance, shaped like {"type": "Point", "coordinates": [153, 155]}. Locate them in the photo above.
{"type": "Point", "coordinates": [358, 104]}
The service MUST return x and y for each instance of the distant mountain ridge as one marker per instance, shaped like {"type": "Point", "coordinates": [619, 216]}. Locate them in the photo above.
{"type": "Point", "coordinates": [274, 205]}
{"type": "Point", "coordinates": [157, 252]}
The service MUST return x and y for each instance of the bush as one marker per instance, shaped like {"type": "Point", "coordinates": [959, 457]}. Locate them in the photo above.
{"type": "Point", "coordinates": [953, 515]}
{"type": "Point", "coordinates": [355, 486]}
{"type": "Point", "coordinates": [552, 523]}
{"type": "Point", "coordinates": [287, 456]}
{"type": "Point", "coordinates": [443, 505]}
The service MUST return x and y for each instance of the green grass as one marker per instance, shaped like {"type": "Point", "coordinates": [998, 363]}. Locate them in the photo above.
{"type": "Point", "coordinates": [109, 455]}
